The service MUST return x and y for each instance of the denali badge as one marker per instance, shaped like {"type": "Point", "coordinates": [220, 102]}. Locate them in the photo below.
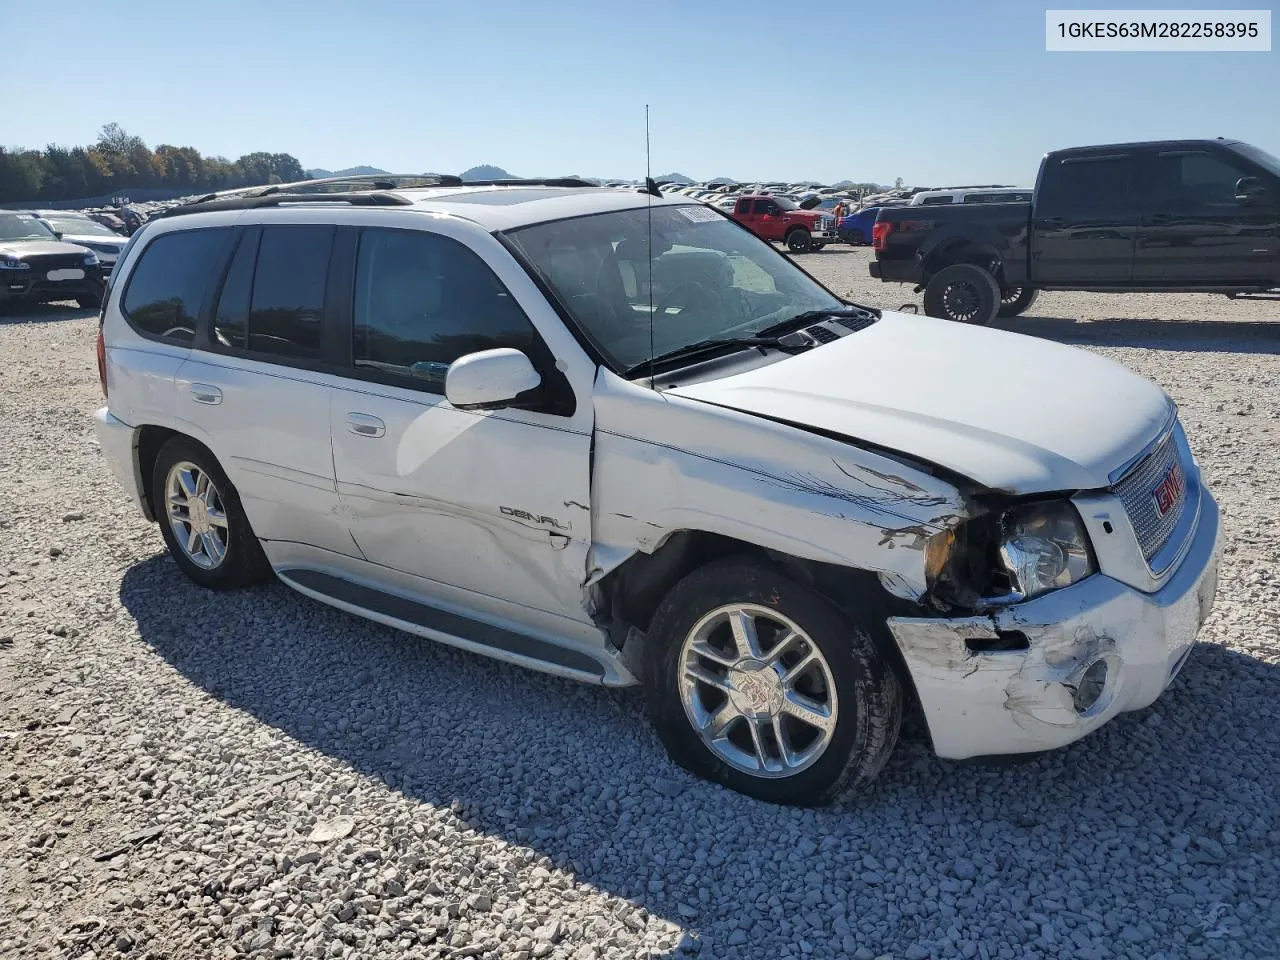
{"type": "Point", "coordinates": [1169, 490]}
{"type": "Point", "coordinates": [533, 518]}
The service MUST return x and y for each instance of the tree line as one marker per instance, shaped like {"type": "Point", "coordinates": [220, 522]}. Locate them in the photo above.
{"type": "Point", "coordinates": [120, 162]}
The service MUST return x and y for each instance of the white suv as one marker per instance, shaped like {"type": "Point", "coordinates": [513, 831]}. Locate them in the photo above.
{"type": "Point", "coordinates": [618, 438]}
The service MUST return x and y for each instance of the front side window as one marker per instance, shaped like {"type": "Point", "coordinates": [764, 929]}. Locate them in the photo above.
{"type": "Point", "coordinates": [423, 300]}
{"type": "Point", "coordinates": [1195, 181]}
{"type": "Point", "coordinates": [171, 280]}
{"type": "Point", "coordinates": [711, 278]}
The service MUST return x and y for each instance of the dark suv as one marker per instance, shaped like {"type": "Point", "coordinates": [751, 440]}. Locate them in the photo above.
{"type": "Point", "coordinates": [37, 267]}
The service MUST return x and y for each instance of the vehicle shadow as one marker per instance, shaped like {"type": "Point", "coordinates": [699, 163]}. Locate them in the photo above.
{"type": "Point", "coordinates": [592, 789]}
{"type": "Point", "coordinates": [1210, 336]}
{"type": "Point", "coordinates": [13, 314]}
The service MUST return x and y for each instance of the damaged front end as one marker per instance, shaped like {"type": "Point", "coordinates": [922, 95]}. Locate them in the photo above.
{"type": "Point", "coordinates": [1041, 646]}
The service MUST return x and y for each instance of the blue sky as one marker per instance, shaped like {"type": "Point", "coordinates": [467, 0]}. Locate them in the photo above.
{"type": "Point", "coordinates": [933, 92]}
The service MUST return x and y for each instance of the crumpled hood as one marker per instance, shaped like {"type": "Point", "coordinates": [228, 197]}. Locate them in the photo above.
{"type": "Point", "coordinates": [38, 248]}
{"type": "Point", "coordinates": [1012, 412]}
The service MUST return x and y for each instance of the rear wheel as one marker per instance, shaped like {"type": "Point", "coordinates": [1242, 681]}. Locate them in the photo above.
{"type": "Point", "coordinates": [799, 240]}
{"type": "Point", "coordinates": [202, 520]}
{"type": "Point", "coordinates": [1016, 300]}
{"type": "Point", "coordinates": [964, 293]}
{"type": "Point", "coordinates": [761, 684]}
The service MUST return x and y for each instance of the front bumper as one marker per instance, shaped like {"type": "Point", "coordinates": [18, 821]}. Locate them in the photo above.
{"type": "Point", "coordinates": [119, 444]}
{"type": "Point", "coordinates": [1022, 701]}
{"type": "Point", "coordinates": [35, 287]}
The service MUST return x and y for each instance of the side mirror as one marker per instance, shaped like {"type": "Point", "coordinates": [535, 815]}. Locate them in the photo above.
{"type": "Point", "coordinates": [489, 379]}
{"type": "Point", "coordinates": [57, 234]}
{"type": "Point", "coordinates": [1250, 189]}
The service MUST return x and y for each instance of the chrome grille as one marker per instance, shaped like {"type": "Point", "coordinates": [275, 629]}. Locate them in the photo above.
{"type": "Point", "coordinates": [1136, 490]}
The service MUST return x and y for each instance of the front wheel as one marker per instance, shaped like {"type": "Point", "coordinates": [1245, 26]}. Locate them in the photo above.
{"type": "Point", "coordinates": [759, 683]}
{"type": "Point", "coordinates": [964, 293]}
{"type": "Point", "coordinates": [818, 246]}
{"type": "Point", "coordinates": [799, 240]}
{"type": "Point", "coordinates": [90, 301]}
{"type": "Point", "coordinates": [1016, 300]}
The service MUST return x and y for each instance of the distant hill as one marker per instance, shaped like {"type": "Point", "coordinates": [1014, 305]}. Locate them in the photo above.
{"type": "Point", "coordinates": [673, 178]}
{"type": "Point", "coordinates": [319, 172]}
{"type": "Point", "coordinates": [486, 171]}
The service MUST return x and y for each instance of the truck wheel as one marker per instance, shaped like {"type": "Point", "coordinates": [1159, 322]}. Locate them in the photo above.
{"type": "Point", "coordinates": [818, 246]}
{"type": "Point", "coordinates": [1016, 300]}
{"type": "Point", "coordinates": [759, 683]}
{"type": "Point", "coordinates": [964, 293]}
{"type": "Point", "coordinates": [799, 240]}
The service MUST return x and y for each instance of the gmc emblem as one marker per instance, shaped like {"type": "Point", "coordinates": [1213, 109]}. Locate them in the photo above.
{"type": "Point", "coordinates": [1168, 492]}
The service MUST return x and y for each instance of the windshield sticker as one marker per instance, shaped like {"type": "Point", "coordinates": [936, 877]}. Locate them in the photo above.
{"type": "Point", "coordinates": [699, 214]}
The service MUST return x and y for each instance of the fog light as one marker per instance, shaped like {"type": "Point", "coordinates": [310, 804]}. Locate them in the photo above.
{"type": "Point", "coordinates": [1090, 687]}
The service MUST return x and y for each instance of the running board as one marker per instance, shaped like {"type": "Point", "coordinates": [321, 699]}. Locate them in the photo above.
{"type": "Point", "coordinates": [451, 628]}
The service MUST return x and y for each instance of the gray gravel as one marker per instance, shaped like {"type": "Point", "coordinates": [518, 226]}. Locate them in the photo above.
{"type": "Point", "coordinates": [184, 774]}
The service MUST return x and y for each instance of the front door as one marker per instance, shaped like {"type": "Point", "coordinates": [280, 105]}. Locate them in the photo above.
{"type": "Point", "coordinates": [493, 503]}
{"type": "Point", "coordinates": [1084, 222]}
{"type": "Point", "coordinates": [1195, 231]}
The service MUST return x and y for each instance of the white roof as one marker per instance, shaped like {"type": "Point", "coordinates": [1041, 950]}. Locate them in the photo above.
{"type": "Point", "coordinates": [504, 208]}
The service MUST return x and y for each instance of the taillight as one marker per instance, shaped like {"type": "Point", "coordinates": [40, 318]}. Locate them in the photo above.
{"type": "Point", "coordinates": [102, 362]}
{"type": "Point", "coordinates": [880, 231]}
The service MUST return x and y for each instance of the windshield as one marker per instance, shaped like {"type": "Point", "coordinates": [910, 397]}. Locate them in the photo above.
{"type": "Point", "coordinates": [23, 226]}
{"type": "Point", "coordinates": [75, 227]}
{"type": "Point", "coordinates": [1260, 157]}
{"type": "Point", "coordinates": [710, 279]}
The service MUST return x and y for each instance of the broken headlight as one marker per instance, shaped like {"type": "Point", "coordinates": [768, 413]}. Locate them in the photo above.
{"type": "Point", "coordinates": [1044, 546]}
{"type": "Point", "coordinates": [1007, 555]}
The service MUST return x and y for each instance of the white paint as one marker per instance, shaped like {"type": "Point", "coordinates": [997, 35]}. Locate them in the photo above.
{"type": "Point", "coordinates": [1013, 412]}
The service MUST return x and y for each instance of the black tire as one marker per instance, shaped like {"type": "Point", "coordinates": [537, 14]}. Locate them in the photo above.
{"type": "Point", "coordinates": [90, 301]}
{"type": "Point", "coordinates": [1016, 301]}
{"type": "Point", "coordinates": [818, 246]}
{"type": "Point", "coordinates": [869, 698]}
{"type": "Point", "coordinates": [243, 562]}
{"type": "Point", "coordinates": [799, 240]}
{"type": "Point", "coordinates": [964, 293]}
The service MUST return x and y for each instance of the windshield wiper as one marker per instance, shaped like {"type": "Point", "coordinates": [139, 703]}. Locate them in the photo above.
{"type": "Point", "coordinates": [811, 316]}
{"type": "Point", "coordinates": [706, 346]}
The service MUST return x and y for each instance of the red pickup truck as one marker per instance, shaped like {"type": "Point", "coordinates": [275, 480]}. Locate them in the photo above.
{"type": "Point", "coordinates": [779, 220]}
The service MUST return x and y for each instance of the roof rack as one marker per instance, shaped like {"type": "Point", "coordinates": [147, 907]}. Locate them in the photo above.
{"type": "Point", "coordinates": [528, 182]}
{"type": "Point", "coordinates": [214, 202]}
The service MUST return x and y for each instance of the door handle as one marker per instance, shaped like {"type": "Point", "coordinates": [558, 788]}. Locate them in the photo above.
{"type": "Point", "coordinates": [204, 393]}
{"type": "Point", "coordinates": [363, 425]}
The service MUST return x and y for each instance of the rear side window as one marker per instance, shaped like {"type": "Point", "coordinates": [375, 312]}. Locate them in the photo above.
{"type": "Point", "coordinates": [423, 300]}
{"type": "Point", "coordinates": [287, 303]}
{"type": "Point", "coordinates": [933, 201]}
{"type": "Point", "coordinates": [273, 298]}
{"type": "Point", "coordinates": [168, 286]}
{"type": "Point", "coordinates": [1087, 187]}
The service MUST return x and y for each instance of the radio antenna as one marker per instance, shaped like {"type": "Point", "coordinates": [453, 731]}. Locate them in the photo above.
{"type": "Point", "coordinates": [651, 189]}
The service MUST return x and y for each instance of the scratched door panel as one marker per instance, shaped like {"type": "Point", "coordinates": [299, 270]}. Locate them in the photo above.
{"type": "Point", "coordinates": [493, 502]}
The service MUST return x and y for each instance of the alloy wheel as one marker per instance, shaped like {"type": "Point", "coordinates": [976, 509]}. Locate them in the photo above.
{"type": "Point", "coordinates": [197, 515]}
{"type": "Point", "coordinates": [757, 690]}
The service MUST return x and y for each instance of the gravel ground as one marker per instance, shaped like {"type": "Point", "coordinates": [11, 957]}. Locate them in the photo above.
{"type": "Point", "coordinates": [184, 774]}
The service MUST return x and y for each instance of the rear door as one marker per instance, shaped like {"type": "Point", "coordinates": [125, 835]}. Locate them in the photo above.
{"type": "Point", "coordinates": [1085, 221]}
{"type": "Point", "coordinates": [1194, 230]}
{"type": "Point", "coordinates": [257, 385]}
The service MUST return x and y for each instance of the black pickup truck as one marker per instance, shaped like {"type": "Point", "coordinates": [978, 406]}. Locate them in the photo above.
{"type": "Point", "coordinates": [1172, 215]}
